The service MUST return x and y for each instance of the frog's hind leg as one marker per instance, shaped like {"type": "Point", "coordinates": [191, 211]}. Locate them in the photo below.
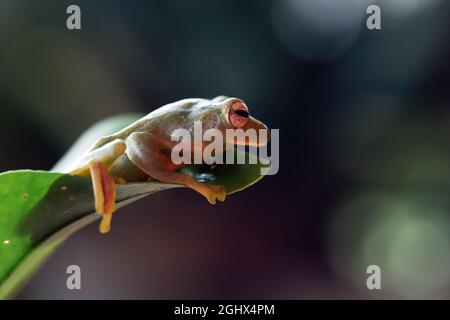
{"type": "Point", "coordinates": [150, 155]}
{"type": "Point", "coordinates": [95, 164]}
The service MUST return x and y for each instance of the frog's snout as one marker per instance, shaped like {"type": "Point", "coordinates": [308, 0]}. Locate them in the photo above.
{"type": "Point", "coordinates": [263, 136]}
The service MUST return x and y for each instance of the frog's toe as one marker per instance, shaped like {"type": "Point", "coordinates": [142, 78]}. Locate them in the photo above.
{"type": "Point", "coordinates": [221, 193]}
{"type": "Point", "coordinates": [216, 192]}
{"type": "Point", "coordinates": [105, 224]}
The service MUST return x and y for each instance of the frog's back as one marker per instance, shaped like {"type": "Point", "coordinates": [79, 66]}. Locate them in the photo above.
{"type": "Point", "coordinates": [150, 121]}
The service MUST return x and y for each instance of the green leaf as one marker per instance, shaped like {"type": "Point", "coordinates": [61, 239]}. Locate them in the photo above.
{"type": "Point", "coordinates": [39, 210]}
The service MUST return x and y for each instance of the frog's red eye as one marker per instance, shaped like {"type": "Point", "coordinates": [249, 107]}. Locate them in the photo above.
{"type": "Point", "coordinates": [238, 114]}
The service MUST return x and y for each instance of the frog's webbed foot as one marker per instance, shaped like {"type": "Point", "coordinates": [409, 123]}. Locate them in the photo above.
{"type": "Point", "coordinates": [105, 193]}
{"type": "Point", "coordinates": [211, 192]}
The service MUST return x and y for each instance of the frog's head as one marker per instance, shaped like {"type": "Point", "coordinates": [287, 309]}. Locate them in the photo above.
{"type": "Point", "coordinates": [232, 113]}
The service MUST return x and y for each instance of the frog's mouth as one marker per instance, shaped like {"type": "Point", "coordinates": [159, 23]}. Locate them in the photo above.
{"type": "Point", "coordinates": [254, 128]}
{"type": "Point", "coordinates": [234, 177]}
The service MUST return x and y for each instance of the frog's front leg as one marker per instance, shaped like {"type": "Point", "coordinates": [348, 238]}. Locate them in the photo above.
{"type": "Point", "coordinates": [104, 192]}
{"type": "Point", "coordinates": [152, 155]}
{"type": "Point", "coordinates": [95, 164]}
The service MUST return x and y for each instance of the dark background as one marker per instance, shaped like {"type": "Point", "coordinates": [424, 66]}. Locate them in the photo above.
{"type": "Point", "coordinates": [364, 121]}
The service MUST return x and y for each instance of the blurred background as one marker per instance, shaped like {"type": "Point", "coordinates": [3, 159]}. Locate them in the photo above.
{"type": "Point", "coordinates": [364, 119]}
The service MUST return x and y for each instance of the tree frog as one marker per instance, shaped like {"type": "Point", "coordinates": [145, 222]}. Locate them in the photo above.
{"type": "Point", "coordinates": [142, 150]}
